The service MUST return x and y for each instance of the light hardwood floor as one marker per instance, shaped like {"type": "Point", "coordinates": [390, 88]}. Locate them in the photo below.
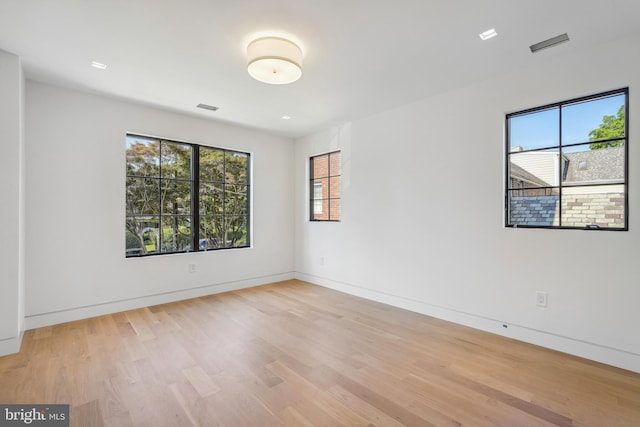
{"type": "Point", "coordinates": [295, 354]}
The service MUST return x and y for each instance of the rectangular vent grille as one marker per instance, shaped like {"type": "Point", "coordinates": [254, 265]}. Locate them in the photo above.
{"type": "Point", "coordinates": [207, 107]}
{"type": "Point", "coordinates": [553, 41]}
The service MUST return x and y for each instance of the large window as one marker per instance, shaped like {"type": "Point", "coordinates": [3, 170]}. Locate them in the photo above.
{"type": "Point", "coordinates": [566, 164]}
{"type": "Point", "coordinates": [185, 197]}
{"type": "Point", "coordinates": [324, 173]}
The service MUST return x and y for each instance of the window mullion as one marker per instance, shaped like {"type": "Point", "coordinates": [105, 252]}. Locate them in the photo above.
{"type": "Point", "coordinates": [329, 186]}
{"type": "Point", "coordinates": [159, 243]}
{"type": "Point", "coordinates": [560, 166]}
{"type": "Point", "coordinates": [195, 197]}
{"type": "Point", "coordinates": [224, 198]}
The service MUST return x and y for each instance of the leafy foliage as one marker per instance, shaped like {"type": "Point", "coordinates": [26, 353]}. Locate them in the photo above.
{"type": "Point", "coordinates": [159, 197]}
{"type": "Point", "coordinates": [610, 128]}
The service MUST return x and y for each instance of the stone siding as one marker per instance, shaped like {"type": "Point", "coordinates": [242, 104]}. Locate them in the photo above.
{"type": "Point", "coordinates": [578, 210]}
{"type": "Point", "coordinates": [534, 210]}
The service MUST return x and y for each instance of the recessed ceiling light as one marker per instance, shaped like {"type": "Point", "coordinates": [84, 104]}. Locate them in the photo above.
{"type": "Point", "coordinates": [488, 34]}
{"type": "Point", "coordinates": [98, 65]}
{"type": "Point", "coordinates": [286, 117]}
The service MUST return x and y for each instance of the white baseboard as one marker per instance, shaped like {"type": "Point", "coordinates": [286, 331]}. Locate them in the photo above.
{"type": "Point", "coordinates": [47, 319]}
{"type": "Point", "coordinates": [603, 354]}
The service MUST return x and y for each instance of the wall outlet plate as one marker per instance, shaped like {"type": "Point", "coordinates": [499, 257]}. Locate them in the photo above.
{"type": "Point", "coordinates": [541, 299]}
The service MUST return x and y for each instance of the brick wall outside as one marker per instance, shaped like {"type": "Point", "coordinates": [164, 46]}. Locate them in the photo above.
{"type": "Point", "coordinates": [320, 166]}
{"type": "Point", "coordinates": [605, 210]}
{"type": "Point", "coordinates": [578, 210]}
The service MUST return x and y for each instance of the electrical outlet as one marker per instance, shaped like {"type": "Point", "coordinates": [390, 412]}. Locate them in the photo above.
{"type": "Point", "coordinates": [541, 299]}
{"type": "Point", "coordinates": [192, 268]}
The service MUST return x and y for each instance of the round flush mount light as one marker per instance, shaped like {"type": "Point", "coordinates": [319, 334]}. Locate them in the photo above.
{"type": "Point", "coordinates": [274, 60]}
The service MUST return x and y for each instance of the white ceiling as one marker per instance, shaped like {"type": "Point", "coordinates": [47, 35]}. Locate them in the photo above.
{"type": "Point", "coordinates": [360, 56]}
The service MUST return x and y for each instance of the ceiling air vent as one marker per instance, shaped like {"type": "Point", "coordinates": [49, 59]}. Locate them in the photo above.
{"type": "Point", "coordinates": [207, 107]}
{"type": "Point", "coordinates": [553, 41]}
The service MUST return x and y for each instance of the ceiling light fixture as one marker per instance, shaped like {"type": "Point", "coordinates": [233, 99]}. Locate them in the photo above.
{"type": "Point", "coordinates": [488, 34]}
{"type": "Point", "coordinates": [98, 65]}
{"type": "Point", "coordinates": [553, 41]}
{"type": "Point", "coordinates": [286, 117]}
{"type": "Point", "coordinates": [274, 60]}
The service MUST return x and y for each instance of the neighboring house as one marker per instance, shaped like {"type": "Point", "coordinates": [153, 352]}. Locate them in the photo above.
{"type": "Point", "coordinates": [526, 183]}
{"type": "Point", "coordinates": [541, 164]}
{"type": "Point", "coordinates": [596, 167]}
{"type": "Point", "coordinates": [590, 195]}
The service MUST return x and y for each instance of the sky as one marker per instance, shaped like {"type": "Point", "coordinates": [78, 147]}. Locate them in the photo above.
{"type": "Point", "coordinates": [540, 129]}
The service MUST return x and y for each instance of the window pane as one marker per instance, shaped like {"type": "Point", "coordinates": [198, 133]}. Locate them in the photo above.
{"type": "Point", "coordinates": [236, 167]}
{"type": "Point", "coordinates": [237, 231]}
{"type": "Point", "coordinates": [211, 164]}
{"type": "Point", "coordinates": [334, 163]}
{"type": "Point", "coordinates": [143, 156]}
{"type": "Point", "coordinates": [320, 166]}
{"type": "Point", "coordinates": [323, 213]}
{"type": "Point", "coordinates": [593, 120]}
{"type": "Point", "coordinates": [334, 209]}
{"type": "Point", "coordinates": [317, 190]}
{"type": "Point", "coordinates": [334, 187]}
{"type": "Point", "coordinates": [534, 130]}
{"type": "Point", "coordinates": [143, 196]}
{"type": "Point", "coordinates": [317, 207]}
{"type": "Point", "coordinates": [176, 233]}
{"type": "Point", "coordinates": [175, 160]}
{"type": "Point", "coordinates": [133, 241]}
{"type": "Point", "coordinates": [534, 168]}
{"type": "Point", "coordinates": [321, 188]}
{"type": "Point", "coordinates": [236, 200]}
{"type": "Point", "coordinates": [211, 202]}
{"type": "Point", "coordinates": [594, 166]}
{"type": "Point", "coordinates": [602, 206]}
{"type": "Point", "coordinates": [142, 235]}
{"type": "Point", "coordinates": [212, 230]}
{"type": "Point", "coordinates": [537, 210]}
{"type": "Point", "coordinates": [176, 197]}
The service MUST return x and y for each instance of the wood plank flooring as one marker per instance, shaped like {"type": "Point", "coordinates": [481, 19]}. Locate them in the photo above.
{"type": "Point", "coordinates": [295, 354]}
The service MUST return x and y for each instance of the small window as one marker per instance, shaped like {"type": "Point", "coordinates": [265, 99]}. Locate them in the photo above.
{"type": "Point", "coordinates": [566, 164]}
{"type": "Point", "coordinates": [324, 172]}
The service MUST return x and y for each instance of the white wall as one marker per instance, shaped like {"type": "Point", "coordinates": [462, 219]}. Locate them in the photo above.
{"type": "Point", "coordinates": [11, 203]}
{"type": "Point", "coordinates": [422, 210]}
{"type": "Point", "coordinates": [76, 265]}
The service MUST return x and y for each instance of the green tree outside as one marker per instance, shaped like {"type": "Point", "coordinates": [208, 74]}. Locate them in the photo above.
{"type": "Point", "coordinates": [610, 128]}
{"type": "Point", "coordinates": [158, 204]}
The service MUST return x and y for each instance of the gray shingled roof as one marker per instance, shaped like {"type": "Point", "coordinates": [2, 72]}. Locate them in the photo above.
{"type": "Point", "coordinates": [595, 165]}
